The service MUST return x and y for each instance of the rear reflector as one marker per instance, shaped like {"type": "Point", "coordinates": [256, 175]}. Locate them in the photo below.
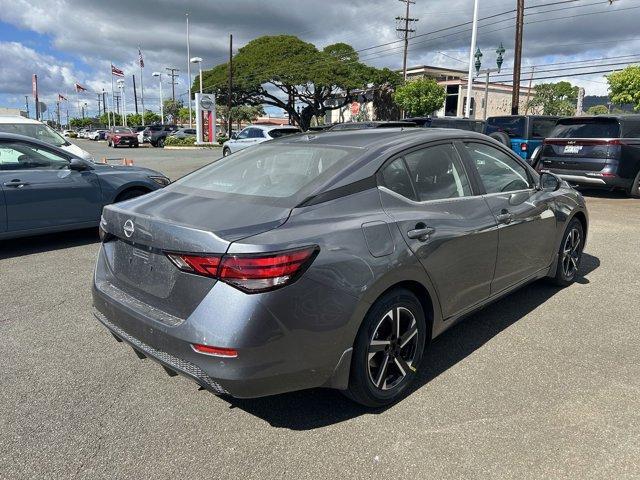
{"type": "Point", "coordinates": [251, 273]}
{"type": "Point", "coordinates": [214, 351]}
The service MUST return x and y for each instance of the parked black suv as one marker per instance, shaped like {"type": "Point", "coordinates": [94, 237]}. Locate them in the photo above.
{"type": "Point", "coordinates": [602, 152]}
{"type": "Point", "coordinates": [157, 134]}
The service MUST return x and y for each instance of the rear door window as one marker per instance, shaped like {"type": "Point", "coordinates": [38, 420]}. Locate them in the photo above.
{"type": "Point", "coordinates": [514, 127]}
{"type": "Point", "coordinates": [586, 128]}
{"type": "Point", "coordinates": [437, 173]}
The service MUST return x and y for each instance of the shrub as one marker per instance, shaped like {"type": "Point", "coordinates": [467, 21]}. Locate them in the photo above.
{"type": "Point", "coordinates": [221, 139]}
{"type": "Point", "coordinates": [180, 142]}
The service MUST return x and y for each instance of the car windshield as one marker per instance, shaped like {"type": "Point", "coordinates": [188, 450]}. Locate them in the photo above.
{"type": "Point", "coordinates": [122, 130]}
{"type": "Point", "coordinates": [587, 128]}
{"type": "Point", "coordinates": [512, 126]}
{"type": "Point", "coordinates": [39, 131]}
{"type": "Point", "coordinates": [271, 171]}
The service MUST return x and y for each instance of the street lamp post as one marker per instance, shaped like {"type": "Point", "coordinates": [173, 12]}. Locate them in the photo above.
{"type": "Point", "coordinates": [198, 60]}
{"type": "Point", "coordinates": [124, 102]}
{"type": "Point", "coordinates": [499, 60]}
{"type": "Point", "coordinates": [159, 75]}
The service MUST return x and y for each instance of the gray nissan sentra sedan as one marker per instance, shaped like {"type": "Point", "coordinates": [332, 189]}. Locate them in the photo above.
{"type": "Point", "coordinates": [329, 260]}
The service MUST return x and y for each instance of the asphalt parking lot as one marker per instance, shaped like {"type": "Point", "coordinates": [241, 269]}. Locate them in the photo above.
{"type": "Point", "coordinates": [543, 384]}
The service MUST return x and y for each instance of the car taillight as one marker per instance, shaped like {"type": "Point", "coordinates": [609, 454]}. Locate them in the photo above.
{"type": "Point", "coordinates": [524, 147]}
{"type": "Point", "coordinates": [214, 351]}
{"type": "Point", "coordinates": [251, 273]}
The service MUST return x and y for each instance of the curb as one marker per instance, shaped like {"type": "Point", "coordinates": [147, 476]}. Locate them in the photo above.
{"type": "Point", "coordinates": [185, 147]}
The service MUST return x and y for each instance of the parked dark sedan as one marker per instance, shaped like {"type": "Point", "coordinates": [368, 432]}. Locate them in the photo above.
{"type": "Point", "coordinates": [46, 189]}
{"type": "Point", "coordinates": [329, 260]}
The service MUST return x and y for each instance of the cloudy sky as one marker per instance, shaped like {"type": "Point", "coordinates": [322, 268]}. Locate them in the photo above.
{"type": "Point", "coordinates": [68, 41]}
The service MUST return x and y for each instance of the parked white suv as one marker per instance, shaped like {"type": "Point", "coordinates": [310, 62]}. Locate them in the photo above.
{"type": "Point", "coordinates": [38, 130]}
{"type": "Point", "coordinates": [255, 134]}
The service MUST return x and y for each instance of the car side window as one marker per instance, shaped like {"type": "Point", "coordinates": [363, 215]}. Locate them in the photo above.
{"type": "Point", "coordinates": [18, 156]}
{"type": "Point", "coordinates": [498, 171]}
{"type": "Point", "coordinates": [396, 178]}
{"type": "Point", "coordinates": [243, 134]}
{"type": "Point", "coordinates": [255, 133]}
{"type": "Point", "coordinates": [437, 173]}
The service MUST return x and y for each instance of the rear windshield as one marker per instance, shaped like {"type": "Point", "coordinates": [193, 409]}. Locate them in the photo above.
{"type": "Point", "coordinates": [271, 171]}
{"type": "Point", "coordinates": [586, 128]}
{"type": "Point", "coordinates": [39, 131]}
{"type": "Point", "coordinates": [122, 130]}
{"type": "Point", "coordinates": [542, 127]}
{"type": "Point", "coordinates": [280, 132]}
{"type": "Point", "coordinates": [512, 126]}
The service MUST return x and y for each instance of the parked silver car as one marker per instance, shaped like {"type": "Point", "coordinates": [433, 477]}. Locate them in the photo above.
{"type": "Point", "coordinates": [255, 134]}
{"type": "Point", "coordinates": [330, 260]}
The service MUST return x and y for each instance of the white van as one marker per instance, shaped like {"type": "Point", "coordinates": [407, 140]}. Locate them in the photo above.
{"type": "Point", "coordinates": [34, 129]}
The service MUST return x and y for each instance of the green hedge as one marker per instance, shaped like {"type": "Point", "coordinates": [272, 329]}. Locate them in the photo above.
{"type": "Point", "coordinates": [180, 142]}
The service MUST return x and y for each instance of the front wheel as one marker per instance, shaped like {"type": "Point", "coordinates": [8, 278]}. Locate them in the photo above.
{"type": "Point", "coordinates": [570, 254]}
{"type": "Point", "coordinates": [226, 152]}
{"type": "Point", "coordinates": [160, 143]}
{"type": "Point", "coordinates": [388, 349]}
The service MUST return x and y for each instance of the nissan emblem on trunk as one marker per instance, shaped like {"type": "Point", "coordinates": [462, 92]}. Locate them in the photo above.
{"type": "Point", "coordinates": [128, 228]}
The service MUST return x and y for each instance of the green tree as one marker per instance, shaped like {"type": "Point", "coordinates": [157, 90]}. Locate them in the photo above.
{"type": "Point", "coordinates": [624, 87]}
{"type": "Point", "coordinates": [558, 98]}
{"type": "Point", "coordinates": [598, 110]}
{"type": "Point", "coordinates": [285, 72]}
{"type": "Point", "coordinates": [104, 120]}
{"type": "Point", "coordinates": [173, 108]}
{"type": "Point", "coordinates": [151, 117]}
{"type": "Point", "coordinates": [420, 97]}
{"type": "Point", "coordinates": [82, 122]}
{"type": "Point", "coordinates": [134, 119]}
{"type": "Point", "coordinates": [239, 114]}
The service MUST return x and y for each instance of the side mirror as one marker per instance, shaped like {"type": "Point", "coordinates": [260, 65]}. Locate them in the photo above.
{"type": "Point", "coordinates": [549, 182]}
{"type": "Point", "coordinates": [78, 165]}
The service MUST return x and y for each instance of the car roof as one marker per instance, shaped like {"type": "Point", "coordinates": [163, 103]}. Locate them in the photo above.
{"type": "Point", "coordinates": [630, 116]}
{"type": "Point", "coordinates": [273, 127]}
{"type": "Point", "coordinates": [17, 119]}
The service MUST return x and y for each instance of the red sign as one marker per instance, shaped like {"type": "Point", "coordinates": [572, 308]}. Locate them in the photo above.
{"type": "Point", "coordinates": [355, 108]}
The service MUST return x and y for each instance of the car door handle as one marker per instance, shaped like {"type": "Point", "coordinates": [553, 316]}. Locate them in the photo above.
{"type": "Point", "coordinates": [504, 217]}
{"type": "Point", "coordinates": [422, 233]}
{"type": "Point", "coordinates": [15, 184]}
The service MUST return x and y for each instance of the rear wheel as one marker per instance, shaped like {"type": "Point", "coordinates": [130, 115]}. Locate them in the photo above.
{"type": "Point", "coordinates": [634, 191]}
{"type": "Point", "coordinates": [388, 349]}
{"type": "Point", "coordinates": [226, 152]}
{"type": "Point", "coordinates": [160, 143]}
{"type": "Point", "coordinates": [570, 254]}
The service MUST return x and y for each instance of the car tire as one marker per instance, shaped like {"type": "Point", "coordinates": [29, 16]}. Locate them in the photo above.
{"type": "Point", "coordinates": [569, 254]}
{"type": "Point", "coordinates": [501, 137]}
{"type": "Point", "coordinates": [226, 152]}
{"type": "Point", "coordinates": [634, 191]}
{"type": "Point", "coordinates": [384, 364]}
{"type": "Point", "coordinates": [129, 194]}
{"type": "Point", "coordinates": [160, 143]}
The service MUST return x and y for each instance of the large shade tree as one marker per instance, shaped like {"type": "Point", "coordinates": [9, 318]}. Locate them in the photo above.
{"type": "Point", "coordinates": [558, 98]}
{"type": "Point", "coordinates": [285, 72]}
{"type": "Point", "coordinates": [624, 87]}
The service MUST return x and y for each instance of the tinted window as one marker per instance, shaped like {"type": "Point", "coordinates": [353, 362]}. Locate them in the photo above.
{"type": "Point", "coordinates": [271, 171]}
{"type": "Point", "coordinates": [190, 131]}
{"type": "Point", "coordinates": [499, 171]}
{"type": "Point", "coordinates": [586, 128]}
{"type": "Point", "coordinates": [437, 173]}
{"type": "Point", "coordinates": [256, 133]}
{"type": "Point", "coordinates": [243, 134]}
{"type": "Point", "coordinates": [39, 131]}
{"type": "Point", "coordinates": [279, 132]}
{"type": "Point", "coordinates": [512, 126]}
{"type": "Point", "coordinates": [542, 127]}
{"type": "Point", "coordinates": [396, 178]}
{"type": "Point", "coordinates": [20, 156]}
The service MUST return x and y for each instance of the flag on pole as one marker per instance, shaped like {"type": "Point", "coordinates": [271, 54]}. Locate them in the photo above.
{"type": "Point", "coordinates": [140, 59]}
{"type": "Point", "coordinates": [116, 71]}
{"type": "Point", "coordinates": [80, 88]}
{"type": "Point", "coordinates": [61, 97]}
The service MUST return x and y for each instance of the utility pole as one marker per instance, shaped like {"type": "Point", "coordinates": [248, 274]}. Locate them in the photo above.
{"type": "Point", "coordinates": [405, 32]}
{"type": "Point", "coordinates": [135, 94]}
{"type": "Point", "coordinates": [230, 85]}
{"type": "Point", "coordinates": [172, 73]}
{"type": "Point", "coordinates": [517, 58]}
{"type": "Point", "coordinates": [26, 104]}
{"type": "Point", "coordinates": [99, 103]}
{"type": "Point", "coordinates": [526, 107]}
{"type": "Point", "coordinates": [474, 33]}
{"type": "Point", "coordinates": [58, 113]}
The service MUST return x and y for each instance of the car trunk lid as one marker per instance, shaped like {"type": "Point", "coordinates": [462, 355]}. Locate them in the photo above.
{"type": "Point", "coordinates": [142, 231]}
